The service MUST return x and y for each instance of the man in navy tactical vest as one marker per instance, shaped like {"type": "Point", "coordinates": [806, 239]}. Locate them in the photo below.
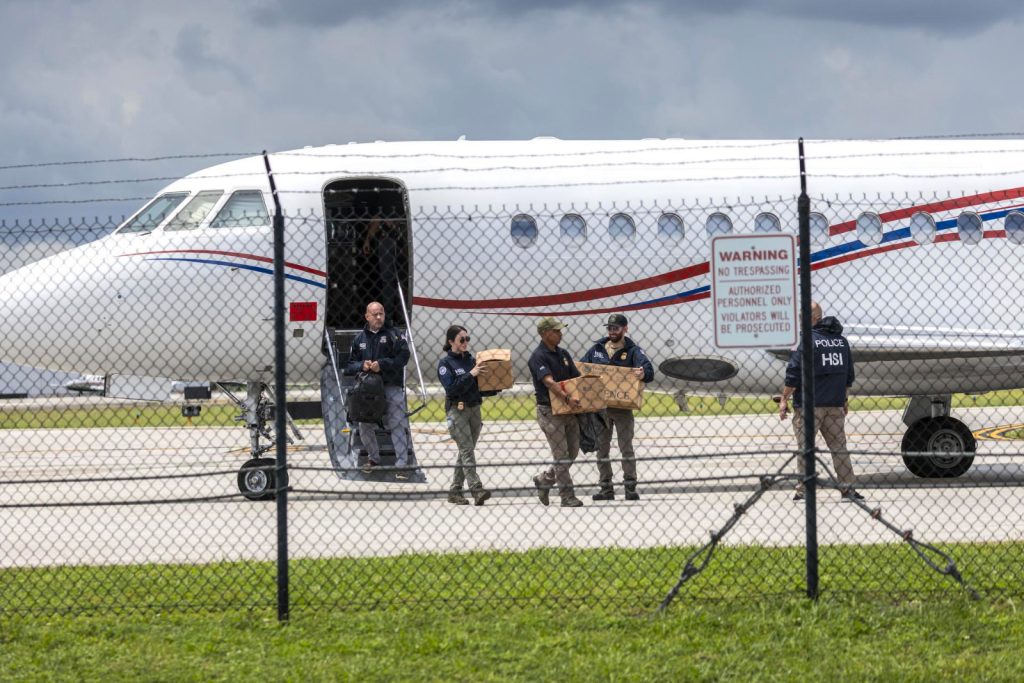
{"type": "Point", "coordinates": [833, 375]}
{"type": "Point", "coordinates": [550, 365]}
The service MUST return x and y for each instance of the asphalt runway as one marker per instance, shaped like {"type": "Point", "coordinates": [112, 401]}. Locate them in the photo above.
{"type": "Point", "coordinates": [169, 495]}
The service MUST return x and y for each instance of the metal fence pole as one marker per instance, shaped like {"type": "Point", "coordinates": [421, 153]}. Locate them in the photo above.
{"type": "Point", "coordinates": [280, 426]}
{"type": "Point", "coordinates": [807, 380]}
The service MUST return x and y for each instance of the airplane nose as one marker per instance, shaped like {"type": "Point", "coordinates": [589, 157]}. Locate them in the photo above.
{"type": "Point", "coordinates": [46, 309]}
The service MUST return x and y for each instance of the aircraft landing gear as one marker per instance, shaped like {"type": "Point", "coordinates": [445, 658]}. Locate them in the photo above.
{"type": "Point", "coordinates": [256, 479]}
{"type": "Point", "coordinates": [936, 445]}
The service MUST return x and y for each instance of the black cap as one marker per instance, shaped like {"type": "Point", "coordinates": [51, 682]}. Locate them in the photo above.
{"type": "Point", "coordinates": [616, 319]}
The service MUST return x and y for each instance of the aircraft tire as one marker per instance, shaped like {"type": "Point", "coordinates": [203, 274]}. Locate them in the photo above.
{"type": "Point", "coordinates": [949, 438]}
{"type": "Point", "coordinates": [256, 479]}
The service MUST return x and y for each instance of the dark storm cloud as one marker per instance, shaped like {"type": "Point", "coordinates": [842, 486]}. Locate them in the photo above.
{"type": "Point", "coordinates": [947, 18]}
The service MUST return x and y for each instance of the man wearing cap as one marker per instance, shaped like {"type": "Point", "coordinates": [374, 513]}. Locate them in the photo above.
{"type": "Point", "coordinates": [549, 365]}
{"type": "Point", "coordinates": [618, 349]}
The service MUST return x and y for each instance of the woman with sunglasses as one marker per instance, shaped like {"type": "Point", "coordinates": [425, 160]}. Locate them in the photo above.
{"type": "Point", "coordinates": [458, 371]}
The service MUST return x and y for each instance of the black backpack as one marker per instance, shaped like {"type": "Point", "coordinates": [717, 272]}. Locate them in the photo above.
{"type": "Point", "coordinates": [366, 401]}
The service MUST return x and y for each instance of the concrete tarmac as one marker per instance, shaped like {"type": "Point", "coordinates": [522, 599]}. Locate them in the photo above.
{"type": "Point", "coordinates": [169, 495]}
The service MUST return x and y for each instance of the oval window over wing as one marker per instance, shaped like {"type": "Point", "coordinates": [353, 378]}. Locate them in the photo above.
{"type": "Point", "coordinates": [922, 228]}
{"type": "Point", "coordinates": [523, 230]}
{"type": "Point", "coordinates": [718, 224]}
{"type": "Point", "coordinates": [818, 229]}
{"type": "Point", "coordinates": [869, 228]}
{"type": "Point", "coordinates": [621, 226]}
{"type": "Point", "coordinates": [969, 225]}
{"type": "Point", "coordinates": [573, 227]}
{"type": "Point", "coordinates": [670, 226]}
{"type": "Point", "coordinates": [1014, 224]}
{"type": "Point", "coordinates": [153, 214]}
{"type": "Point", "coordinates": [767, 222]}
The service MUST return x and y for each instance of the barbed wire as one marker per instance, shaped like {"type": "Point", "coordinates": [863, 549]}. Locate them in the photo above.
{"type": "Point", "coordinates": [86, 162]}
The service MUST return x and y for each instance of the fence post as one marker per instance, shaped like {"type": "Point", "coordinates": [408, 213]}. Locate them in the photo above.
{"type": "Point", "coordinates": [807, 380]}
{"type": "Point", "coordinates": [280, 425]}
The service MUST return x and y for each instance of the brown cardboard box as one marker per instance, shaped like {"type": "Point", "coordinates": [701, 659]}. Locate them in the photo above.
{"type": "Point", "coordinates": [499, 370]}
{"type": "Point", "coordinates": [588, 388]}
{"type": "Point", "coordinates": [622, 389]}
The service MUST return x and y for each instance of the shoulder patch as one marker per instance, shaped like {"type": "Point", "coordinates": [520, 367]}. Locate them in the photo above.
{"type": "Point", "coordinates": [443, 370]}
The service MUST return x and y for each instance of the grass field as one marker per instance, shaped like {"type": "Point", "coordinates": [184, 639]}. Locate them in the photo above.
{"type": "Point", "coordinates": [545, 615]}
{"type": "Point", "coordinates": [512, 407]}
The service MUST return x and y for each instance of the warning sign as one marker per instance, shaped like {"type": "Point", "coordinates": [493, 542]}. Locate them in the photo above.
{"type": "Point", "coordinates": [753, 291]}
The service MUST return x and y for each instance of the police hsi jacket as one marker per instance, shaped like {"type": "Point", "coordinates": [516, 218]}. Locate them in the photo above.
{"type": "Point", "coordinates": [833, 365]}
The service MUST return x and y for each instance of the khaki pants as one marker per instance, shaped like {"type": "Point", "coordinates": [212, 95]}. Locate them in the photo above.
{"type": "Point", "coordinates": [563, 434]}
{"type": "Point", "coordinates": [831, 424]}
{"type": "Point", "coordinates": [621, 420]}
{"type": "Point", "coordinates": [464, 426]}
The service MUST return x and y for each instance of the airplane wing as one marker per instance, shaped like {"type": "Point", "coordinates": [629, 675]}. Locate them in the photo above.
{"type": "Point", "coordinates": [873, 343]}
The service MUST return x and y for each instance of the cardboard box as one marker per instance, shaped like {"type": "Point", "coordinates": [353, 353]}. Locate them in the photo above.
{"type": "Point", "coordinates": [588, 388]}
{"type": "Point", "coordinates": [499, 370]}
{"type": "Point", "coordinates": [622, 389]}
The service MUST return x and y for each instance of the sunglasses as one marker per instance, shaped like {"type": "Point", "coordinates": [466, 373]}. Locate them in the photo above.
{"type": "Point", "coordinates": [463, 340]}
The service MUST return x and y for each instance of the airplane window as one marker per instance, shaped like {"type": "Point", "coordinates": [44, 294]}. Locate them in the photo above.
{"type": "Point", "coordinates": [922, 228]}
{"type": "Point", "coordinates": [718, 224]}
{"type": "Point", "coordinates": [869, 228]}
{"type": "Point", "coordinates": [154, 213]}
{"type": "Point", "coordinates": [573, 227]}
{"type": "Point", "coordinates": [524, 230]}
{"type": "Point", "coordinates": [818, 228]}
{"type": "Point", "coordinates": [970, 227]}
{"type": "Point", "coordinates": [195, 211]}
{"type": "Point", "coordinates": [621, 226]}
{"type": "Point", "coordinates": [1015, 227]}
{"type": "Point", "coordinates": [245, 209]}
{"type": "Point", "coordinates": [670, 226]}
{"type": "Point", "coordinates": [767, 222]}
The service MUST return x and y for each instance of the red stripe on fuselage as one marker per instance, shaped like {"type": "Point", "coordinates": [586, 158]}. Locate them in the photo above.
{"type": "Point", "coordinates": [253, 257]}
{"type": "Point", "coordinates": [570, 297]}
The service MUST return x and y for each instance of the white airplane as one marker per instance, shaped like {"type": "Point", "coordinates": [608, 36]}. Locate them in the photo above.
{"type": "Point", "coordinates": [916, 249]}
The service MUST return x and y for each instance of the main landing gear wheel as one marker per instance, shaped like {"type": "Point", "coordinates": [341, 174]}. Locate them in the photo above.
{"type": "Point", "coordinates": [256, 479]}
{"type": "Point", "coordinates": [940, 447]}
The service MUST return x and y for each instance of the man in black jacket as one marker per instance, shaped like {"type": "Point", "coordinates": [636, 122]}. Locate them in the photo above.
{"type": "Point", "coordinates": [380, 348]}
{"type": "Point", "coordinates": [833, 375]}
{"type": "Point", "coordinates": [618, 349]}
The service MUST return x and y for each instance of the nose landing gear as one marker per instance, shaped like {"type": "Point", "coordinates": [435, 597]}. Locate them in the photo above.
{"type": "Point", "coordinates": [256, 479]}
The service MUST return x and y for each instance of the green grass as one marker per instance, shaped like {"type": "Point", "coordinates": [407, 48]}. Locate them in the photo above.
{"type": "Point", "coordinates": [562, 615]}
{"type": "Point", "coordinates": [517, 407]}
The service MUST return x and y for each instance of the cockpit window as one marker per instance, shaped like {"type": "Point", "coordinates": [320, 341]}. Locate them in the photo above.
{"type": "Point", "coordinates": [195, 211]}
{"type": "Point", "coordinates": [245, 209]}
{"type": "Point", "coordinates": [154, 213]}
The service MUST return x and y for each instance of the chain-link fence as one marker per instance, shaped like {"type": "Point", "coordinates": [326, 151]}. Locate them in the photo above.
{"type": "Point", "coordinates": [138, 426]}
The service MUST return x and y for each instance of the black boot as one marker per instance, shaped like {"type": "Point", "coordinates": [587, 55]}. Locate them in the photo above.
{"type": "Point", "coordinates": [631, 493]}
{"type": "Point", "coordinates": [606, 492]}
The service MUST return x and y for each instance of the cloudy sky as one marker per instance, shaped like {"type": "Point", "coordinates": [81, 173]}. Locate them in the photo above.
{"type": "Point", "coordinates": [84, 80]}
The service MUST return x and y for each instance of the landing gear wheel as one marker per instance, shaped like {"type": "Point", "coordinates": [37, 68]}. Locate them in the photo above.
{"type": "Point", "coordinates": [950, 442]}
{"type": "Point", "coordinates": [256, 479]}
